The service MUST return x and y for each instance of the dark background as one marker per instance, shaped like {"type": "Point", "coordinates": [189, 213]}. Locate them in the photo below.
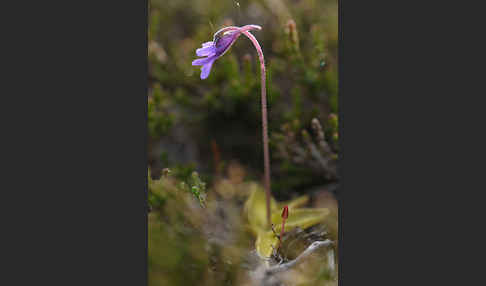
{"type": "Point", "coordinates": [74, 152]}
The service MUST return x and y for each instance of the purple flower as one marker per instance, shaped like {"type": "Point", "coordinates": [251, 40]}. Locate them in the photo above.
{"type": "Point", "coordinates": [222, 41]}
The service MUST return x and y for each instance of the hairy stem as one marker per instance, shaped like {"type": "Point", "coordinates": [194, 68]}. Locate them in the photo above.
{"type": "Point", "coordinates": [266, 154]}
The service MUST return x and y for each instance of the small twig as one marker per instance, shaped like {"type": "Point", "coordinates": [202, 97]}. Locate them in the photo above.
{"type": "Point", "coordinates": [321, 160]}
{"type": "Point", "coordinates": [316, 126]}
{"type": "Point", "coordinates": [285, 266]}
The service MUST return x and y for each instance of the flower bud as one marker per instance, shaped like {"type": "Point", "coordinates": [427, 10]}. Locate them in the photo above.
{"type": "Point", "coordinates": [285, 212]}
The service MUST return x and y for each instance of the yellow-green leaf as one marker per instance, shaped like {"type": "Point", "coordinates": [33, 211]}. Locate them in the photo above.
{"type": "Point", "coordinates": [295, 203]}
{"type": "Point", "coordinates": [256, 209]}
{"type": "Point", "coordinates": [300, 217]}
{"type": "Point", "coordinates": [265, 242]}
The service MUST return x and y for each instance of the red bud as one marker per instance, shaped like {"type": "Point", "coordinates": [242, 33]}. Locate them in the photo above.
{"type": "Point", "coordinates": [285, 212]}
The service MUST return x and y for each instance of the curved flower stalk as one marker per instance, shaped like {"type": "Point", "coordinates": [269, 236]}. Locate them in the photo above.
{"type": "Point", "coordinates": [211, 51]}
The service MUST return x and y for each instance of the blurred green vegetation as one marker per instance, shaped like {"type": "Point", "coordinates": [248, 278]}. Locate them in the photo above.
{"type": "Point", "coordinates": [206, 125]}
{"type": "Point", "coordinates": [213, 243]}
{"type": "Point", "coordinates": [299, 40]}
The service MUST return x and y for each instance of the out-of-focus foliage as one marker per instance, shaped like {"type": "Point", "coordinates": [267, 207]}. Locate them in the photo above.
{"type": "Point", "coordinates": [299, 40]}
{"type": "Point", "coordinates": [214, 244]}
{"type": "Point", "coordinates": [309, 158]}
{"type": "Point", "coordinates": [192, 243]}
{"type": "Point", "coordinates": [160, 117]}
{"type": "Point", "coordinates": [159, 190]}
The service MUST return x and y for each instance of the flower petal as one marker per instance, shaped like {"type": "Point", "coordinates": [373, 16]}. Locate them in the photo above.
{"type": "Point", "coordinates": [202, 61]}
{"type": "Point", "coordinates": [206, 69]}
{"type": "Point", "coordinates": [207, 44]}
{"type": "Point", "coordinates": [202, 52]}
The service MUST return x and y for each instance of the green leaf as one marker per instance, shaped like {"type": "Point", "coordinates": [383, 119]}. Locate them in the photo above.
{"type": "Point", "coordinates": [265, 243]}
{"type": "Point", "coordinates": [297, 202]}
{"type": "Point", "coordinates": [255, 209]}
{"type": "Point", "coordinates": [300, 217]}
{"type": "Point", "coordinates": [267, 240]}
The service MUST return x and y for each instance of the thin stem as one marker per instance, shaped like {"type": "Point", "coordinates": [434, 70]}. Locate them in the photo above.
{"type": "Point", "coordinates": [281, 234]}
{"type": "Point", "coordinates": [266, 154]}
{"type": "Point", "coordinates": [241, 29]}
